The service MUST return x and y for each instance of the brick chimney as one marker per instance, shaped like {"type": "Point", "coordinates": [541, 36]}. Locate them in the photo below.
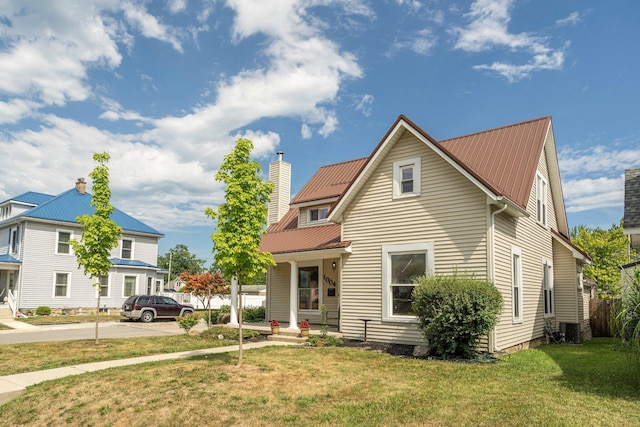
{"type": "Point", "coordinates": [81, 186]}
{"type": "Point", "coordinates": [280, 175]}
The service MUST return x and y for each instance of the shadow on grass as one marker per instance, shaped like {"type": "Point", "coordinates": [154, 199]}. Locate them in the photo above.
{"type": "Point", "coordinates": [598, 367]}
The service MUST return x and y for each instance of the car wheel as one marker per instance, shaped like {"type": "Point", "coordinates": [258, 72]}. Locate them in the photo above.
{"type": "Point", "coordinates": [186, 313]}
{"type": "Point", "coordinates": [146, 316]}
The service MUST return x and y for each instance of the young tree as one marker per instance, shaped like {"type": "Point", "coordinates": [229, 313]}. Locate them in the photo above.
{"type": "Point", "coordinates": [205, 286]}
{"type": "Point", "coordinates": [609, 250]}
{"type": "Point", "coordinates": [241, 220]}
{"type": "Point", "coordinates": [99, 232]}
{"type": "Point", "coordinates": [180, 260]}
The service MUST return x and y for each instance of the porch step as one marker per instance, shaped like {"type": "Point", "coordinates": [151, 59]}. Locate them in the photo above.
{"type": "Point", "coordinates": [287, 336]}
{"type": "Point", "coordinates": [5, 312]}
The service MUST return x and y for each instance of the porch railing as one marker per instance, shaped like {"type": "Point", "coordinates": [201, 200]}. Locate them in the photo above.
{"type": "Point", "coordinates": [13, 303]}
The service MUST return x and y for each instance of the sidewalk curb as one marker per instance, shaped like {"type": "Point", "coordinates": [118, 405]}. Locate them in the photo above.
{"type": "Point", "coordinates": [12, 386]}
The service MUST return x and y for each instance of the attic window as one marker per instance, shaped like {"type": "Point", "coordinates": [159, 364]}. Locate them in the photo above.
{"type": "Point", "coordinates": [319, 214]}
{"type": "Point", "coordinates": [406, 178]}
{"type": "Point", "coordinates": [541, 200]}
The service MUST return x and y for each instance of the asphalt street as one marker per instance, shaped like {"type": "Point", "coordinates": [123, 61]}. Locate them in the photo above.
{"type": "Point", "coordinates": [84, 331]}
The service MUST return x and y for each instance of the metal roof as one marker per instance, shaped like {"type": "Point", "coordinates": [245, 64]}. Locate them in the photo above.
{"type": "Point", "coordinates": [119, 262]}
{"type": "Point", "coordinates": [304, 239]}
{"type": "Point", "coordinates": [67, 206]}
{"type": "Point", "coordinates": [8, 259]}
{"type": "Point", "coordinates": [506, 157]}
{"type": "Point", "coordinates": [329, 181]}
{"type": "Point", "coordinates": [30, 198]}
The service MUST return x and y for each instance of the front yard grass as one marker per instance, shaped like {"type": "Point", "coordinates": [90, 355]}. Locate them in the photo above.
{"type": "Point", "coordinates": [28, 357]}
{"type": "Point", "coordinates": [555, 385]}
{"type": "Point", "coordinates": [75, 318]}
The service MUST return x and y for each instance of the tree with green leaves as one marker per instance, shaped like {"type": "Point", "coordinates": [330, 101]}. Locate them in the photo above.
{"type": "Point", "coordinates": [99, 232]}
{"type": "Point", "coordinates": [608, 250]}
{"type": "Point", "coordinates": [241, 220]}
{"type": "Point", "coordinates": [180, 260]}
{"type": "Point", "coordinates": [628, 315]}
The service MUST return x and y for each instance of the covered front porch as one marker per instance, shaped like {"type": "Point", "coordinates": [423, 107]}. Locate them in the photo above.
{"type": "Point", "coordinates": [9, 279]}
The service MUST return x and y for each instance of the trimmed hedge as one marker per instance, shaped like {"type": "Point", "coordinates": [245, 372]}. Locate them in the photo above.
{"type": "Point", "coordinates": [455, 312]}
{"type": "Point", "coordinates": [43, 310]}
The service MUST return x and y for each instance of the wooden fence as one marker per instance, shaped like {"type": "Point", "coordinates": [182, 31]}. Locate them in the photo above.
{"type": "Point", "coordinates": [601, 318]}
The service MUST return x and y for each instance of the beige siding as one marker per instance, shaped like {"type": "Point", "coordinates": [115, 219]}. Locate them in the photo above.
{"type": "Point", "coordinates": [450, 212]}
{"type": "Point", "coordinates": [278, 292]}
{"type": "Point", "coordinates": [303, 215]}
{"type": "Point", "coordinates": [565, 284]}
{"type": "Point", "coordinates": [331, 277]}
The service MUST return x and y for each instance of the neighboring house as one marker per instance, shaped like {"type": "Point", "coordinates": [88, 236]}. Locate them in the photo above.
{"type": "Point", "coordinates": [38, 266]}
{"type": "Point", "coordinates": [358, 233]}
{"type": "Point", "coordinates": [631, 220]}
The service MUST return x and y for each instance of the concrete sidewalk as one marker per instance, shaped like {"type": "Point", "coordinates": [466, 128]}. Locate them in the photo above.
{"type": "Point", "coordinates": [13, 385]}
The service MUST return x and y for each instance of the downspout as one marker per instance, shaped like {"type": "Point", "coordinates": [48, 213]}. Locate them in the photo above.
{"type": "Point", "coordinates": [493, 266]}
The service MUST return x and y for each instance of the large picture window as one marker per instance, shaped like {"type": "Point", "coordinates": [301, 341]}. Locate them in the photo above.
{"type": "Point", "coordinates": [308, 288]}
{"type": "Point", "coordinates": [129, 287]}
{"type": "Point", "coordinates": [547, 287]}
{"type": "Point", "coordinates": [401, 266]}
{"type": "Point", "coordinates": [516, 280]}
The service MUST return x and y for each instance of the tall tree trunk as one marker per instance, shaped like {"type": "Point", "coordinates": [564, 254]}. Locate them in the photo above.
{"type": "Point", "coordinates": [98, 307]}
{"type": "Point", "coordinates": [239, 323]}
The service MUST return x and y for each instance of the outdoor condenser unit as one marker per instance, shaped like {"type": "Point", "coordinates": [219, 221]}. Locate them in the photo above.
{"type": "Point", "coordinates": [571, 332]}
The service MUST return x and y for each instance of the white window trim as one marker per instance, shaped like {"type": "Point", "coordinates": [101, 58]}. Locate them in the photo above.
{"type": "Point", "coordinates": [12, 240]}
{"type": "Point", "coordinates": [58, 231]}
{"type": "Point", "coordinates": [108, 287]}
{"type": "Point", "coordinates": [133, 245]}
{"type": "Point", "coordinates": [387, 300]}
{"type": "Point", "coordinates": [124, 281]}
{"type": "Point", "coordinates": [547, 264]}
{"type": "Point", "coordinates": [320, 288]}
{"type": "Point", "coordinates": [397, 177]}
{"type": "Point", "coordinates": [53, 292]}
{"type": "Point", "coordinates": [515, 251]}
{"type": "Point", "coordinates": [310, 221]}
{"type": "Point", "coordinates": [542, 214]}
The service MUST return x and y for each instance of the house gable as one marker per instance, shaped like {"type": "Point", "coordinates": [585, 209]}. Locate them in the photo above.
{"type": "Point", "coordinates": [631, 221]}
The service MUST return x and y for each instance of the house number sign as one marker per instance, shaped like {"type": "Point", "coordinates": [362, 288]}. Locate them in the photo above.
{"type": "Point", "coordinates": [329, 282]}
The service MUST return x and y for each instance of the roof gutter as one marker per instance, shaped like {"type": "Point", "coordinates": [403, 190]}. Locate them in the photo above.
{"type": "Point", "coordinates": [493, 264]}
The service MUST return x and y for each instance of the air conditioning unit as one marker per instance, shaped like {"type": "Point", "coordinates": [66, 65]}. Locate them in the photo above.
{"type": "Point", "coordinates": [571, 332]}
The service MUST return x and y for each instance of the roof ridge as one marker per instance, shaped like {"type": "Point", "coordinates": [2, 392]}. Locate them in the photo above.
{"type": "Point", "coordinates": [496, 128]}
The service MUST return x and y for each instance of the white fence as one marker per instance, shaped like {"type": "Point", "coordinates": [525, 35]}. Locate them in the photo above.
{"type": "Point", "coordinates": [217, 302]}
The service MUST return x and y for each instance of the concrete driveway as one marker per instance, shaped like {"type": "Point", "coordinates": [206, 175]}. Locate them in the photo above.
{"type": "Point", "coordinates": [86, 331]}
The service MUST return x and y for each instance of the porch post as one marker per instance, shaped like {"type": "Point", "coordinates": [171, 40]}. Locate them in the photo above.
{"type": "Point", "coordinates": [233, 320]}
{"type": "Point", "coordinates": [293, 296]}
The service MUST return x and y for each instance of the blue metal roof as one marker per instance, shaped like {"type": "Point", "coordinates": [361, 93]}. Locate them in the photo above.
{"type": "Point", "coordinates": [6, 258]}
{"type": "Point", "coordinates": [131, 263]}
{"type": "Point", "coordinates": [69, 205]}
{"type": "Point", "coordinates": [30, 197]}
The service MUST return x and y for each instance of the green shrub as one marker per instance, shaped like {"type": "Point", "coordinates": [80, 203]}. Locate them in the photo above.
{"type": "Point", "coordinates": [253, 314]}
{"type": "Point", "coordinates": [628, 315]}
{"type": "Point", "coordinates": [325, 341]}
{"type": "Point", "coordinates": [455, 311]}
{"type": "Point", "coordinates": [189, 321]}
{"type": "Point", "coordinates": [225, 309]}
{"type": "Point", "coordinates": [43, 310]}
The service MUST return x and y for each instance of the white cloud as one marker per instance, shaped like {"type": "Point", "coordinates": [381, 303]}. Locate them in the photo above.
{"type": "Point", "coordinates": [488, 29]}
{"type": "Point", "coordinates": [365, 104]}
{"type": "Point", "coordinates": [16, 109]}
{"type": "Point", "coordinates": [422, 42]}
{"type": "Point", "coordinates": [176, 6]}
{"type": "Point", "coordinates": [149, 25]}
{"type": "Point", "coordinates": [599, 159]}
{"type": "Point", "coordinates": [305, 131]}
{"type": "Point", "coordinates": [573, 19]}
{"type": "Point", "coordinates": [587, 193]}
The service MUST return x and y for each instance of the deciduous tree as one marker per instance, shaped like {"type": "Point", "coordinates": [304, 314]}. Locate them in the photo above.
{"type": "Point", "coordinates": [205, 286]}
{"type": "Point", "coordinates": [241, 220]}
{"type": "Point", "coordinates": [99, 232]}
{"type": "Point", "coordinates": [180, 260]}
{"type": "Point", "coordinates": [608, 250]}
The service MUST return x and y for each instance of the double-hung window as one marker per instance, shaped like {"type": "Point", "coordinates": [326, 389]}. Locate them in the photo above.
{"type": "Point", "coordinates": [103, 286]}
{"type": "Point", "coordinates": [547, 287]}
{"type": "Point", "coordinates": [127, 249]}
{"type": "Point", "coordinates": [14, 240]}
{"type": "Point", "coordinates": [516, 281]}
{"type": "Point", "coordinates": [541, 200]}
{"type": "Point", "coordinates": [61, 285]}
{"type": "Point", "coordinates": [401, 266]}
{"type": "Point", "coordinates": [63, 246]}
{"type": "Point", "coordinates": [406, 178]}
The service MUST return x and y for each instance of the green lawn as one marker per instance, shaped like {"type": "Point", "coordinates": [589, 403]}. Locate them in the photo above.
{"type": "Point", "coordinates": [76, 318]}
{"type": "Point", "coordinates": [556, 385]}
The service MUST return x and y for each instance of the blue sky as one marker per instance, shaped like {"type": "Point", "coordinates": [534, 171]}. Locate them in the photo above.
{"type": "Point", "coordinates": [166, 87]}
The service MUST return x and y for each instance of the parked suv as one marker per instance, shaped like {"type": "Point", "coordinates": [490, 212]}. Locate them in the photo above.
{"type": "Point", "coordinates": [149, 307]}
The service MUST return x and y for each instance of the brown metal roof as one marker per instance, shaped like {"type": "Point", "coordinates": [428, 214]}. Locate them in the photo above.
{"type": "Point", "coordinates": [329, 181]}
{"type": "Point", "coordinates": [289, 221]}
{"type": "Point", "coordinates": [303, 239]}
{"type": "Point", "coordinates": [505, 157]}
